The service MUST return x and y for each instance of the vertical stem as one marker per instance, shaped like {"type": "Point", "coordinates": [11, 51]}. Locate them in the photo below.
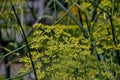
{"type": "Point", "coordinates": [113, 32]}
{"type": "Point", "coordinates": [21, 4]}
{"type": "Point", "coordinates": [73, 18]}
{"type": "Point", "coordinates": [87, 22]}
{"type": "Point", "coordinates": [94, 12]}
{"type": "Point", "coordinates": [97, 60]}
{"type": "Point", "coordinates": [24, 37]}
{"type": "Point", "coordinates": [113, 5]}
{"type": "Point", "coordinates": [80, 15]}
{"type": "Point", "coordinates": [117, 2]}
{"type": "Point", "coordinates": [55, 10]}
{"type": "Point", "coordinates": [114, 38]}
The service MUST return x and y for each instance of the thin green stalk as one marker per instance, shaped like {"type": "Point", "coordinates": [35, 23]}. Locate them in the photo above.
{"type": "Point", "coordinates": [46, 8]}
{"type": "Point", "coordinates": [97, 60]}
{"type": "Point", "coordinates": [114, 38]}
{"type": "Point", "coordinates": [97, 5]}
{"type": "Point", "coordinates": [113, 32]}
{"type": "Point", "coordinates": [29, 54]}
{"type": "Point", "coordinates": [55, 10]}
{"type": "Point", "coordinates": [19, 76]}
{"type": "Point", "coordinates": [6, 49]}
{"type": "Point", "coordinates": [118, 4]}
{"type": "Point", "coordinates": [94, 12]}
{"type": "Point", "coordinates": [86, 18]}
{"type": "Point", "coordinates": [3, 6]}
{"type": "Point", "coordinates": [87, 22]}
{"type": "Point", "coordinates": [80, 15]}
{"type": "Point", "coordinates": [92, 25]}
{"type": "Point", "coordinates": [44, 16]}
{"type": "Point", "coordinates": [73, 18]}
{"type": "Point", "coordinates": [22, 14]}
{"type": "Point", "coordinates": [113, 5]}
{"type": "Point", "coordinates": [64, 14]}
{"type": "Point", "coordinates": [12, 52]}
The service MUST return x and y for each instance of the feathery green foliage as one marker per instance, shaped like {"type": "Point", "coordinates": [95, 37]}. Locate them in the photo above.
{"type": "Point", "coordinates": [57, 54]}
{"type": "Point", "coordinates": [83, 44]}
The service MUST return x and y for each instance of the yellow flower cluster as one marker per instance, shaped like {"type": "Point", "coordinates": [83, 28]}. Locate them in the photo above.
{"type": "Point", "coordinates": [58, 54]}
{"type": "Point", "coordinates": [106, 3]}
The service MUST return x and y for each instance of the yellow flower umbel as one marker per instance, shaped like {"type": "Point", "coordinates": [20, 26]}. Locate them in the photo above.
{"type": "Point", "coordinates": [59, 53]}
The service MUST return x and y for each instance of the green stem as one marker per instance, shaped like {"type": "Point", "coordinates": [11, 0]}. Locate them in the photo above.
{"type": "Point", "coordinates": [113, 32]}
{"type": "Point", "coordinates": [94, 12]}
{"type": "Point", "coordinates": [24, 37]}
{"type": "Point", "coordinates": [113, 6]}
{"type": "Point", "coordinates": [97, 5]}
{"type": "Point", "coordinates": [64, 14]}
{"type": "Point", "coordinates": [73, 18]}
{"type": "Point", "coordinates": [114, 38]}
{"type": "Point", "coordinates": [19, 76]}
{"type": "Point", "coordinates": [80, 14]}
{"type": "Point", "coordinates": [97, 60]}
{"type": "Point", "coordinates": [11, 52]}
{"type": "Point", "coordinates": [55, 10]}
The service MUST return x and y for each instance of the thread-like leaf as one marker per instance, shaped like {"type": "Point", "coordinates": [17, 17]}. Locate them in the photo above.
{"type": "Point", "coordinates": [24, 37]}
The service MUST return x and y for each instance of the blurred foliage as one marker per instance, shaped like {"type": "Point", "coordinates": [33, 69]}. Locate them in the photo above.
{"type": "Point", "coordinates": [2, 77]}
{"type": "Point", "coordinates": [62, 51]}
{"type": "Point", "coordinates": [58, 54]}
{"type": "Point", "coordinates": [10, 32]}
